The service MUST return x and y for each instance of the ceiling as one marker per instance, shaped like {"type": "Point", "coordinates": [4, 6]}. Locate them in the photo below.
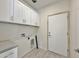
{"type": "Point", "coordinates": [40, 3]}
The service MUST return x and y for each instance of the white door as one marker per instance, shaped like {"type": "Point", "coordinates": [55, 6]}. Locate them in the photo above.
{"type": "Point", "coordinates": [57, 34]}
{"type": "Point", "coordinates": [76, 41]}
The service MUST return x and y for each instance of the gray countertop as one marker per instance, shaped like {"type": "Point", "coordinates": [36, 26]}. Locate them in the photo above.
{"type": "Point", "coordinates": [6, 45]}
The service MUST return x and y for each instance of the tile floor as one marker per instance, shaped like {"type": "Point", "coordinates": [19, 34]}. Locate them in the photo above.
{"type": "Point", "coordinates": [40, 53]}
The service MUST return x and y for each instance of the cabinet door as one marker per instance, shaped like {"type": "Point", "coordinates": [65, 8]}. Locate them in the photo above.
{"type": "Point", "coordinates": [27, 15]}
{"type": "Point", "coordinates": [23, 46]}
{"type": "Point", "coordinates": [37, 19]}
{"type": "Point", "coordinates": [34, 18]}
{"type": "Point", "coordinates": [9, 54]}
{"type": "Point", "coordinates": [6, 10]}
{"type": "Point", "coordinates": [12, 53]}
{"type": "Point", "coordinates": [18, 11]}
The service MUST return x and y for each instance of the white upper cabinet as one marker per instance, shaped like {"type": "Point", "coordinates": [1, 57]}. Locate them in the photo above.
{"type": "Point", "coordinates": [26, 14]}
{"type": "Point", "coordinates": [18, 11]}
{"type": "Point", "coordinates": [6, 10]}
{"type": "Point", "coordinates": [37, 19]}
{"type": "Point", "coordinates": [15, 11]}
{"type": "Point", "coordinates": [34, 18]}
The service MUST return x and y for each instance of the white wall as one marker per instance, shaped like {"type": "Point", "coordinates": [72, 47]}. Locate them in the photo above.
{"type": "Point", "coordinates": [13, 32]}
{"type": "Point", "coordinates": [48, 10]}
{"type": "Point", "coordinates": [74, 27]}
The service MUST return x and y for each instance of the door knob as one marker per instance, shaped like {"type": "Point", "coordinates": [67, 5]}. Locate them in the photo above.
{"type": "Point", "coordinates": [49, 34]}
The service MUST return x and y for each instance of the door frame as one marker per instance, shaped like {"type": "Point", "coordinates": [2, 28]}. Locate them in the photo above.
{"type": "Point", "coordinates": [68, 33]}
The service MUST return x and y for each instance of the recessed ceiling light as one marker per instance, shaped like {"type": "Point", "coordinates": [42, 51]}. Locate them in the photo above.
{"type": "Point", "coordinates": [34, 1]}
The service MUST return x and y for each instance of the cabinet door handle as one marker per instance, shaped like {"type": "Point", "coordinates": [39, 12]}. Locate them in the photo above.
{"type": "Point", "coordinates": [24, 21]}
{"type": "Point", "coordinates": [35, 23]}
{"type": "Point", "coordinates": [11, 18]}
